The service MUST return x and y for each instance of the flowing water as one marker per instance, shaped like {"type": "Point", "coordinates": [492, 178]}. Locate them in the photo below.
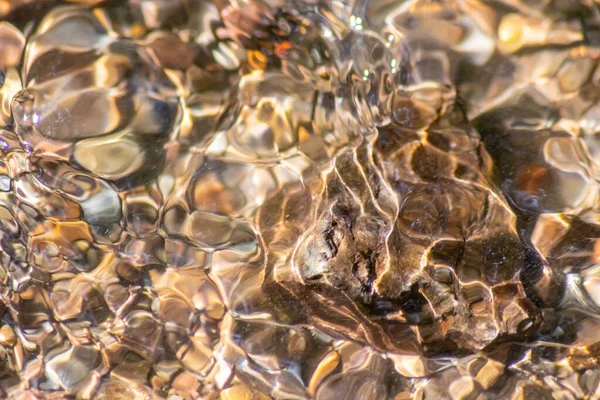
{"type": "Point", "coordinates": [293, 199]}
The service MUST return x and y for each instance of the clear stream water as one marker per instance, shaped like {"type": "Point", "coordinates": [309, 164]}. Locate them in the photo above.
{"type": "Point", "coordinates": [254, 199]}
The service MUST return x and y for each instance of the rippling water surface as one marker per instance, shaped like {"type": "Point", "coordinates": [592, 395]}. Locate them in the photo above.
{"type": "Point", "coordinates": [294, 199]}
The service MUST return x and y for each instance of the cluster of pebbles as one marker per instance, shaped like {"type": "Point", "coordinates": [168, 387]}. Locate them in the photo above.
{"type": "Point", "coordinates": [294, 199]}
